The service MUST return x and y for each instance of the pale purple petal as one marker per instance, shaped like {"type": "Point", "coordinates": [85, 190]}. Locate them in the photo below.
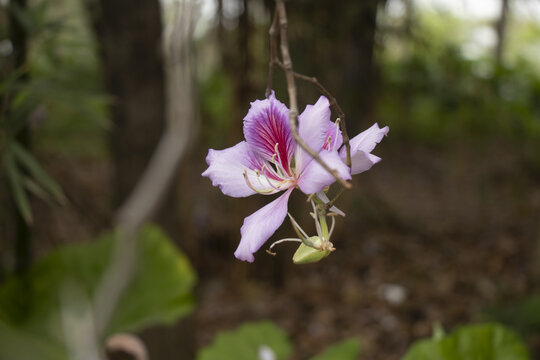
{"type": "Point", "coordinates": [315, 177]}
{"type": "Point", "coordinates": [226, 170]}
{"type": "Point", "coordinates": [267, 124]}
{"type": "Point", "coordinates": [361, 146]}
{"type": "Point", "coordinates": [334, 139]}
{"type": "Point", "coordinates": [312, 127]}
{"type": "Point", "coordinates": [362, 161]}
{"type": "Point", "coordinates": [259, 226]}
{"type": "Point", "coordinates": [366, 140]}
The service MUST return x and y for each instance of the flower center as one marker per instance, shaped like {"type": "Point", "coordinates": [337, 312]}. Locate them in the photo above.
{"type": "Point", "coordinates": [274, 175]}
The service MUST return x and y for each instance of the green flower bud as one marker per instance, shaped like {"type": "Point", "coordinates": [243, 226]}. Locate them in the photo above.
{"type": "Point", "coordinates": [306, 254]}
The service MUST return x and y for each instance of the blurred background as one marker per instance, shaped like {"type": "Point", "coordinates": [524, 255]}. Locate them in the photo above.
{"type": "Point", "coordinates": [446, 229]}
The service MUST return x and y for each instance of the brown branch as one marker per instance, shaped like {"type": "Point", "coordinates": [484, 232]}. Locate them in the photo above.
{"type": "Point", "coordinates": [273, 32]}
{"type": "Point", "coordinates": [333, 104]}
{"type": "Point", "coordinates": [291, 88]}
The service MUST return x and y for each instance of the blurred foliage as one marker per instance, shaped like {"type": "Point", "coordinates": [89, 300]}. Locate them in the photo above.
{"type": "Point", "coordinates": [264, 340]}
{"type": "Point", "coordinates": [58, 91]}
{"type": "Point", "coordinates": [472, 342]}
{"type": "Point", "coordinates": [432, 97]}
{"type": "Point", "coordinates": [439, 85]}
{"type": "Point", "coordinates": [32, 307]}
{"type": "Point", "coordinates": [523, 316]}
{"type": "Point", "coordinates": [217, 102]}
{"type": "Point", "coordinates": [345, 350]}
{"type": "Point", "coordinates": [246, 342]}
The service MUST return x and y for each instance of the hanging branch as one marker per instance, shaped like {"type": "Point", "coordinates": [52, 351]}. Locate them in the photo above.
{"type": "Point", "coordinates": [280, 20]}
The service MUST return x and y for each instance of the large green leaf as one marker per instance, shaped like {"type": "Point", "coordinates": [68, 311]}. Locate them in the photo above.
{"type": "Point", "coordinates": [344, 350]}
{"type": "Point", "coordinates": [248, 342]}
{"type": "Point", "coordinates": [30, 306]}
{"type": "Point", "coordinates": [471, 342]}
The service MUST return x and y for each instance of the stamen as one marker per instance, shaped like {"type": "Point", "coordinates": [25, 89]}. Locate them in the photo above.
{"type": "Point", "coordinates": [269, 250]}
{"type": "Point", "coordinates": [331, 228]}
{"type": "Point", "coordinates": [299, 231]}
{"type": "Point", "coordinates": [260, 191]}
{"type": "Point", "coordinates": [268, 179]}
{"type": "Point", "coordinates": [337, 132]}
{"type": "Point", "coordinates": [279, 164]}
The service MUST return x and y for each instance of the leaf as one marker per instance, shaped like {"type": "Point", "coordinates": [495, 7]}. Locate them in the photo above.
{"type": "Point", "coordinates": [160, 293]}
{"type": "Point", "coordinates": [17, 188]}
{"type": "Point", "coordinates": [37, 172]}
{"type": "Point", "coordinates": [345, 350]}
{"type": "Point", "coordinates": [18, 345]}
{"type": "Point", "coordinates": [247, 342]}
{"type": "Point", "coordinates": [523, 316]}
{"type": "Point", "coordinates": [471, 342]}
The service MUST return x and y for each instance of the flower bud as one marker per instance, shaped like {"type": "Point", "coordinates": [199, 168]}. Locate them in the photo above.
{"type": "Point", "coordinates": [306, 254]}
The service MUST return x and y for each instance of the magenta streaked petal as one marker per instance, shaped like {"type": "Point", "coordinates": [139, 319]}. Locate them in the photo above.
{"type": "Point", "coordinates": [361, 146]}
{"type": "Point", "coordinates": [259, 226]}
{"type": "Point", "coordinates": [315, 177]}
{"type": "Point", "coordinates": [333, 139]}
{"type": "Point", "coordinates": [312, 127]}
{"type": "Point", "coordinates": [226, 170]}
{"type": "Point", "coordinates": [267, 124]}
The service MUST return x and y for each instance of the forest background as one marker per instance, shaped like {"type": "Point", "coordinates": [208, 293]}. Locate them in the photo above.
{"type": "Point", "coordinates": [445, 230]}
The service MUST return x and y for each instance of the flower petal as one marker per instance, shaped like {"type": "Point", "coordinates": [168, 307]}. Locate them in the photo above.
{"type": "Point", "coordinates": [313, 125]}
{"type": "Point", "coordinates": [226, 170]}
{"type": "Point", "coordinates": [267, 124]}
{"type": "Point", "coordinates": [334, 139]}
{"type": "Point", "coordinates": [361, 146]}
{"type": "Point", "coordinates": [315, 177]}
{"type": "Point", "coordinates": [259, 226]}
{"type": "Point", "coordinates": [362, 161]}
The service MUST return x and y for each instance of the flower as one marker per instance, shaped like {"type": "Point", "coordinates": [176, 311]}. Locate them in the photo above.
{"type": "Point", "coordinates": [269, 161]}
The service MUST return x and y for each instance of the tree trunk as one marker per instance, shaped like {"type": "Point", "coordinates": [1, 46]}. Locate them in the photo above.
{"type": "Point", "coordinates": [341, 38]}
{"type": "Point", "coordinates": [19, 40]}
{"type": "Point", "coordinates": [129, 34]}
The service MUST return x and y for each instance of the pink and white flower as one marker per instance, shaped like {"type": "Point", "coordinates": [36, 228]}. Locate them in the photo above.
{"type": "Point", "coordinates": [270, 161]}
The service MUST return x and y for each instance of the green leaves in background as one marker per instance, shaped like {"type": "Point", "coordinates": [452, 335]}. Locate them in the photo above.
{"type": "Point", "coordinates": [523, 316]}
{"type": "Point", "coordinates": [25, 173]}
{"type": "Point", "coordinates": [345, 350]}
{"type": "Point", "coordinates": [33, 311]}
{"type": "Point", "coordinates": [265, 341]}
{"type": "Point", "coordinates": [247, 342]}
{"type": "Point", "coordinates": [471, 342]}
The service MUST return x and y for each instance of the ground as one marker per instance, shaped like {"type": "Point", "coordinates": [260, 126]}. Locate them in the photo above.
{"type": "Point", "coordinates": [432, 235]}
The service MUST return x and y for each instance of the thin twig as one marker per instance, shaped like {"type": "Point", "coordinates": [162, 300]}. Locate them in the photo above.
{"type": "Point", "coordinates": [273, 32]}
{"type": "Point", "coordinates": [333, 104]}
{"type": "Point", "coordinates": [291, 88]}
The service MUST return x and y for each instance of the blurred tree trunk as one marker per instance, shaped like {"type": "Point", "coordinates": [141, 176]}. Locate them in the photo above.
{"type": "Point", "coordinates": [500, 29]}
{"type": "Point", "coordinates": [19, 38]}
{"type": "Point", "coordinates": [341, 37]}
{"type": "Point", "coordinates": [129, 34]}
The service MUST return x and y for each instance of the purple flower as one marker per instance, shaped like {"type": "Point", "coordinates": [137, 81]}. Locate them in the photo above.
{"type": "Point", "coordinates": [269, 161]}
